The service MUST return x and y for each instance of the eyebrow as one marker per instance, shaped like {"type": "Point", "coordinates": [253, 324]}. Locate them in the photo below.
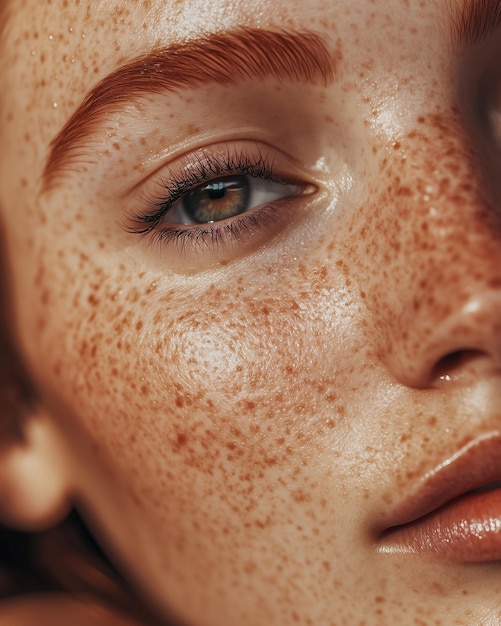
{"type": "Point", "coordinates": [222, 59]}
{"type": "Point", "coordinates": [474, 21]}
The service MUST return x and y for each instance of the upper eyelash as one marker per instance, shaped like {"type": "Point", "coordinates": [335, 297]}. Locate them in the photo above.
{"type": "Point", "coordinates": [201, 170]}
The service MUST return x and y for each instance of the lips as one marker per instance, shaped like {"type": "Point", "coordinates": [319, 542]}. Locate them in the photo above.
{"type": "Point", "coordinates": [454, 513]}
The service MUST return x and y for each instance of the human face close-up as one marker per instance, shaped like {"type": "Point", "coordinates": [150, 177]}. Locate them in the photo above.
{"type": "Point", "coordinates": [254, 252]}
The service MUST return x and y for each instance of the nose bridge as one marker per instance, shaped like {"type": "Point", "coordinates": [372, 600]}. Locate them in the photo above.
{"type": "Point", "coordinates": [443, 257]}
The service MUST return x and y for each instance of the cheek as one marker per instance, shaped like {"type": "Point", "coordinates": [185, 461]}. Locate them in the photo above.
{"type": "Point", "coordinates": [222, 413]}
{"type": "Point", "coordinates": [254, 373]}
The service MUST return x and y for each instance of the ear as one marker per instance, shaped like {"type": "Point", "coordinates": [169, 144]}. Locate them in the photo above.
{"type": "Point", "coordinates": [34, 483]}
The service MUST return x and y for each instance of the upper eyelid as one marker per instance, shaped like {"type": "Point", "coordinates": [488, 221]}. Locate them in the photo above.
{"type": "Point", "coordinates": [173, 163]}
{"type": "Point", "coordinates": [229, 156]}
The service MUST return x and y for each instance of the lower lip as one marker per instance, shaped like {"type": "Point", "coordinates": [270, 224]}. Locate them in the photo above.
{"type": "Point", "coordinates": [466, 530]}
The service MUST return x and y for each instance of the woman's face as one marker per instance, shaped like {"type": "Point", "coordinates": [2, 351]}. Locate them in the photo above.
{"type": "Point", "coordinates": [253, 379]}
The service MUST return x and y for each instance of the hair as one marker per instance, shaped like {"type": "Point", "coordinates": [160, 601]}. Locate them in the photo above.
{"type": "Point", "coordinates": [67, 560]}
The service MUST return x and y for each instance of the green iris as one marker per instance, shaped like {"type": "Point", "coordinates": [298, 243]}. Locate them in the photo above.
{"type": "Point", "coordinates": [217, 200]}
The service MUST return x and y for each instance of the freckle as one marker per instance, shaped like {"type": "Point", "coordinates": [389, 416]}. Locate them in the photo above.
{"type": "Point", "coordinates": [181, 439]}
{"type": "Point", "coordinates": [45, 297]}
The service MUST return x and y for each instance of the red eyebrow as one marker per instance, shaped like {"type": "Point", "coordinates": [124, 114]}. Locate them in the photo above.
{"type": "Point", "coordinates": [475, 20]}
{"type": "Point", "coordinates": [222, 59]}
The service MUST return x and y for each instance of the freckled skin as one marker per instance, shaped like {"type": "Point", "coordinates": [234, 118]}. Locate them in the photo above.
{"type": "Point", "coordinates": [236, 432]}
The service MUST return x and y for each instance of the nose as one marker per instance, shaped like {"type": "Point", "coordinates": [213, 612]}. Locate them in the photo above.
{"type": "Point", "coordinates": [439, 310]}
{"type": "Point", "coordinates": [465, 338]}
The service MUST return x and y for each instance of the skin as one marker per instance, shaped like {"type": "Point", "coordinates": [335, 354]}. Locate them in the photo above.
{"type": "Point", "coordinates": [236, 425]}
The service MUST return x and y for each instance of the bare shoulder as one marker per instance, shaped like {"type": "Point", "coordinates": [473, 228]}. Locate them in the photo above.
{"type": "Point", "coordinates": [58, 610]}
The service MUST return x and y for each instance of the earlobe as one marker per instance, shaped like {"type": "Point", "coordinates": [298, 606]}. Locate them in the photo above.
{"type": "Point", "coordinates": [34, 482]}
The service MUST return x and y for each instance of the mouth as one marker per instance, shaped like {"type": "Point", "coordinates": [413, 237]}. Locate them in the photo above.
{"type": "Point", "coordinates": [454, 513]}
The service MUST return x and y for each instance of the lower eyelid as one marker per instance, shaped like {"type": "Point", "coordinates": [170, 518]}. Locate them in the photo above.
{"type": "Point", "coordinates": [193, 249]}
{"type": "Point", "coordinates": [231, 231]}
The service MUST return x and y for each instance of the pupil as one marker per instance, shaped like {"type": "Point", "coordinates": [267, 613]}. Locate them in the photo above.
{"type": "Point", "coordinates": [216, 191]}
{"type": "Point", "coordinates": [217, 200]}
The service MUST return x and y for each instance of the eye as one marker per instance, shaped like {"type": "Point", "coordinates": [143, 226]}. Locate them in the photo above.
{"type": "Point", "coordinates": [226, 197]}
{"type": "Point", "coordinates": [221, 201]}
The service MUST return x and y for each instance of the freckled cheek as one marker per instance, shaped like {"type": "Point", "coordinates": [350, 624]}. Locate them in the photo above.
{"type": "Point", "coordinates": [200, 380]}
{"type": "Point", "coordinates": [113, 341]}
{"type": "Point", "coordinates": [139, 359]}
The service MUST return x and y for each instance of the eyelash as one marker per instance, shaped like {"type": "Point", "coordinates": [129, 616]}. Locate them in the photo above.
{"type": "Point", "coordinates": [195, 172]}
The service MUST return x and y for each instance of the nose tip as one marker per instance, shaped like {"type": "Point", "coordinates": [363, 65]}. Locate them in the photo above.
{"type": "Point", "coordinates": [464, 344]}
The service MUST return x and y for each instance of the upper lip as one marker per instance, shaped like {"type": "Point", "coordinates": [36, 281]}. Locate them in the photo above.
{"type": "Point", "coordinates": [477, 464]}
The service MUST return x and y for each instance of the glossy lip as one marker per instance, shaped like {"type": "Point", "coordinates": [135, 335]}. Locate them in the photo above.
{"type": "Point", "coordinates": [442, 518]}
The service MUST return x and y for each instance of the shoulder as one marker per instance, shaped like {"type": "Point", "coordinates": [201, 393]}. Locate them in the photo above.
{"type": "Point", "coordinates": [59, 609]}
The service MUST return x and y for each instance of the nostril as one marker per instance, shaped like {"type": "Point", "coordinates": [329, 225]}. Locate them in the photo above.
{"type": "Point", "coordinates": [459, 366]}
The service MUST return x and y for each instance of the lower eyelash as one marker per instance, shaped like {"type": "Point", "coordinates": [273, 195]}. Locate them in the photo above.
{"type": "Point", "coordinates": [225, 233]}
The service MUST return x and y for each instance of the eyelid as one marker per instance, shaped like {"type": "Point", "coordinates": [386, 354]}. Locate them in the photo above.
{"type": "Point", "coordinates": [234, 235]}
{"type": "Point", "coordinates": [216, 161]}
{"type": "Point", "coordinates": [173, 164]}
